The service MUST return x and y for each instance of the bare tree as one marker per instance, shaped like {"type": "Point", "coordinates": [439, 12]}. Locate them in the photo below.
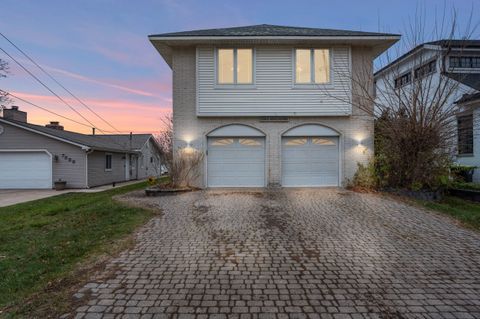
{"type": "Point", "coordinates": [413, 106]}
{"type": "Point", "coordinates": [4, 99]}
{"type": "Point", "coordinates": [184, 170]}
{"type": "Point", "coordinates": [182, 164]}
{"type": "Point", "coordinates": [165, 140]}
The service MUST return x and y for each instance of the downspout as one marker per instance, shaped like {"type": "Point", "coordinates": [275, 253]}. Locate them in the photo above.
{"type": "Point", "coordinates": [89, 151]}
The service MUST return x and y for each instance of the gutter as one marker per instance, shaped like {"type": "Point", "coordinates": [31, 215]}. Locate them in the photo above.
{"type": "Point", "coordinates": [203, 38]}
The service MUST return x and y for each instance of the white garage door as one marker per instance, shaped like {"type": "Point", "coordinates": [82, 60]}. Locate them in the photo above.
{"type": "Point", "coordinates": [310, 161]}
{"type": "Point", "coordinates": [27, 170]}
{"type": "Point", "coordinates": [236, 162]}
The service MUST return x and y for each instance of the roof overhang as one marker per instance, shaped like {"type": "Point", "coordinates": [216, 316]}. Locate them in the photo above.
{"type": "Point", "coordinates": [64, 140]}
{"type": "Point", "coordinates": [164, 44]}
{"type": "Point", "coordinates": [417, 51]}
{"type": "Point", "coordinates": [84, 147]}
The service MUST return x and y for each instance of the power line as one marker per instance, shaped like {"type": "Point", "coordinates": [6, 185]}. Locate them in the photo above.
{"type": "Point", "coordinates": [45, 109]}
{"type": "Point", "coordinates": [64, 117]}
{"type": "Point", "coordinates": [58, 83]}
{"type": "Point", "coordinates": [46, 86]}
{"type": "Point", "coordinates": [58, 96]}
{"type": "Point", "coordinates": [67, 118]}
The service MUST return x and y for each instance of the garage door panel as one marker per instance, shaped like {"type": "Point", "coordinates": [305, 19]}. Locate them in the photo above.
{"type": "Point", "coordinates": [236, 162]}
{"type": "Point", "coordinates": [226, 155]}
{"type": "Point", "coordinates": [310, 161]}
{"type": "Point", "coordinates": [25, 170]}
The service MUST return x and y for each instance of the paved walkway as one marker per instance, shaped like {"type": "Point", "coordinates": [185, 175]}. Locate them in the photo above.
{"type": "Point", "coordinates": [291, 254]}
{"type": "Point", "coordinates": [16, 196]}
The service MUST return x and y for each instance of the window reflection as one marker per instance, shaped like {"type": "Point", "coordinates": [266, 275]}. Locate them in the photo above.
{"type": "Point", "coordinates": [312, 66]}
{"type": "Point", "coordinates": [222, 142]}
{"type": "Point", "coordinates": [322, 66]}
{"type": "Point", "coordinates": [296, 141]}
{"type": "Point", "coordinates": [322, 141]}
{"type": "Point", "coordinates": [235, 66]}
{"type": "Point", "coordinates": [225, 66]}
{"type": "Point", "coordinates": [244, 66]}
{"type": "Point", "coordinates": [303, 66]}
{"type": "Point", "coordinates": [250, 142]}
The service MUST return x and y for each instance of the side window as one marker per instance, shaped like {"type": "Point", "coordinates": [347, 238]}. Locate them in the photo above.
{"type": "Point", "coordinates": [465, 134]}
{"type": "Point", "coordinates": [403, 80]}
{"type": "Point", "coordinates": [108, 162]}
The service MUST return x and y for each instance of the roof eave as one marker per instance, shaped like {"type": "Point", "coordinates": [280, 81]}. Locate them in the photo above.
{"type": "Point", "coordinates": [82, 146]}
{"type": "Point", "coordinates": [113, 150]}
{"type": "Point", "coordinates": [164, 44]}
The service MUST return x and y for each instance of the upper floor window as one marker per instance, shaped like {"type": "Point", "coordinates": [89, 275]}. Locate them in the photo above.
{"type": "Point", "coordinates": [312, 66]}
{"type": "Point", "coordinates": [465, 134]}
{"type": "Point", "coordinates": [425, 69]}
{"type": "Point", "coordinates": [235, 66]}
{"type": "Point", "coordinates": [465, 62]}
{"type": "Point", "coordinates": [403, 80]}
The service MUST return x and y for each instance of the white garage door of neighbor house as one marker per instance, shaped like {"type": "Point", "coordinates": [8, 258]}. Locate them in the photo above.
{"type": "Point", "coordinates": [236, 162]}
{"type": "Point", "coordinates": [310, 161]}
{"type": "Point", "coordinates": [25, 170]}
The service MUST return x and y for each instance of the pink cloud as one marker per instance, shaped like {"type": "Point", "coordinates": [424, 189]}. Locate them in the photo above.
{"type": "Point", "coordinates": [125, 86]}
{"type": "Point", "coordinates": [126, 116]}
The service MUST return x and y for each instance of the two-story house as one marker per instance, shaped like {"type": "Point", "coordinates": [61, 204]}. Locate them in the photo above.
{"type": "Point", "coordinates": [454, 64]}
{"type": "Point", "coordinates": [272, 105]}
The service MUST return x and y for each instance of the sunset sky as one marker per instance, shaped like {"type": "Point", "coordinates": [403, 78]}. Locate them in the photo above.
{"type": "Point", "coordinates": [99, 48]}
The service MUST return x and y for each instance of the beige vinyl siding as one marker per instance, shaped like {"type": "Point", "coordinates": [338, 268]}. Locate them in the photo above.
{"type": "Point", "coordinates": [274, 91]}
{"type": "Point", "coordinates": [21, 139]}
{"type": "Point", "coordinates": [97, 175]}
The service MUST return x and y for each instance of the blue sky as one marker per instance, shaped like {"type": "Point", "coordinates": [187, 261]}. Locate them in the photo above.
{"type": "Point", "coordinates": [99, 48]}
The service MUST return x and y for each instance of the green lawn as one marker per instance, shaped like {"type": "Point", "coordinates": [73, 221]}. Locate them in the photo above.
{"type": "Point", "coordinates": [43, 243]}
{"type": "Point", "coordinates": [465, 211]}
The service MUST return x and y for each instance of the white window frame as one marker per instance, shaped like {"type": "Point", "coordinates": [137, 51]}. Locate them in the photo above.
{"type": "Point", "coordinates": [234, 84]}
{"type": "Point", "coordinates": [312, 83]}
{"type": "Point", "coordinates": [111, 162]}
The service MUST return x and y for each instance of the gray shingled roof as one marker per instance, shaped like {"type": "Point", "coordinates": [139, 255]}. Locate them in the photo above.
{"type": "Point", "coordinates": [269, 30]}
{"type": "Point", "coordinates": [138, 140]}
{"type": "Point", "coordinates": [469, 98]}
{"type": "Point", "coordinates": [470, 79]}
{"type": "Point", "coordinates": [113, 143]}
{"type": "Point", "coordinates": [445, 43]}
{"type": "Point", "coordinates": [465, 44]}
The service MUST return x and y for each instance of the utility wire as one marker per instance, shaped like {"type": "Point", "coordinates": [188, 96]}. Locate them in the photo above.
{"type": "Point", "coordinates": [45, 109]}
{"type": "Point", "coordinates": [58, 96]}
{"type": "Point", "coordinates": [67, 118]}
{"type": "Point", "coordinates": [58, 83]}
{"type": "Point", "coordinates": [45, 86]}
{"type": "Point", "coordinates": [64, 117]}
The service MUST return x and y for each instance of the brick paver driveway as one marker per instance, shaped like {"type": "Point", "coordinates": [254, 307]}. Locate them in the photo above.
{"type": "Point", "coordinates": [292, 254]}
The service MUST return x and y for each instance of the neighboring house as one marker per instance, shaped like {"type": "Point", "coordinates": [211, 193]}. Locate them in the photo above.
{"type": "Point", "coordinates": [33, 156]}
{"type": "Point", "coordinates": [468, 131]}
{"type": "Point", "coordinates": [457, 61]}
{"type": "Point", "coordinates": [271, 105]}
